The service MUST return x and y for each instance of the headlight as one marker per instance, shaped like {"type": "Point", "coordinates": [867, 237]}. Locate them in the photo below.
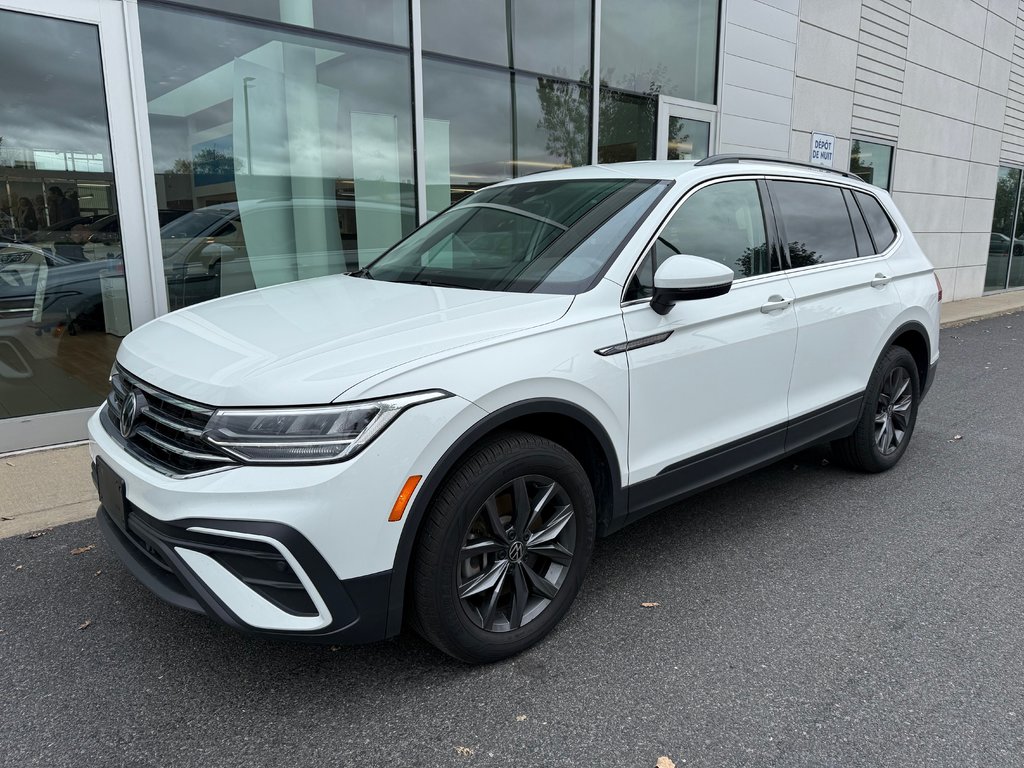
{"type": "Point", "coordinates": [307, 435]}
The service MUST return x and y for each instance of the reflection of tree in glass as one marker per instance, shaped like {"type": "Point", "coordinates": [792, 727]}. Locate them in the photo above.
{"type": "Point", "coordinates": [801, 256]}
{"type": "Point", "coordinates": [864, 170]}
{"type": "Point", "coordinates": [207, 162]}
{"type": "Point", "coordinates": [1006, 200]}
{"type": "Point", "coordinates": [566, 111]}
{"type": "Point", "coordinates": [754, 261]}
{"type": "Point", "coordinates": [565, 120]}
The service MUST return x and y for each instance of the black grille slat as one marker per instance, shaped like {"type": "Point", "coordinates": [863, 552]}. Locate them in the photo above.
{"type": "Point", "coordinates": [168, 429]}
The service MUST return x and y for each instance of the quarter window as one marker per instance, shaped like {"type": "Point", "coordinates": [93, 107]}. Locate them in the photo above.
{"type": "Point", "coordinates": [723, 222]}
{"type": "Point", "coordinates": [879, 224]}
{"type": "Point", "coordinates": [815, 223]}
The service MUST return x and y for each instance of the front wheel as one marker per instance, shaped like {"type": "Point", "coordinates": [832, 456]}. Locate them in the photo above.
{"type": "Point", "coordinates": [504, 548]}
{"type": "Point", "coordinates": [888, 417]}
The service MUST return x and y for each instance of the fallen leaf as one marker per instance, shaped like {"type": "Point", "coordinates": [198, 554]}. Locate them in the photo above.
{"type": "Point", "coordinates": [520, 718]}
{"type": "Point", "coordinates": [824, 462]}
{"type": "Point", "coordinates": [6, 518]}
{"type": "Point", "coordinates": [84, 625]}
{"type": "Point", "coordinates": [464, 751]}
{"type": "Point", "coordinates": [650, 605]}
{"type": "Point", "coordinates": [37, 534]}
{"type": "Point", "coordinates": [18, 567]}
{"type": "Point", "coordinates": [954, 438]}
{"type": "Point", "coordinates": [80, 550]}
{"type": "Point", "coordinates": [664, 762]}
{"type": "Point", "coordinates": [334, 648]}
{"type": "Point", "coordinates": [98, 572]}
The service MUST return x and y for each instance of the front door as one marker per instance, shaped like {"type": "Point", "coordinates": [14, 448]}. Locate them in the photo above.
{"type": "Point", "coordinates": [64, 304]}
{"type": "Point", "coordinates": [711, 398]}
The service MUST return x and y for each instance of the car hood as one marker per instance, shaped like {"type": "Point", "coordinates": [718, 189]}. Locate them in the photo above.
{"type": "Point", "coordinates": [308, 342]}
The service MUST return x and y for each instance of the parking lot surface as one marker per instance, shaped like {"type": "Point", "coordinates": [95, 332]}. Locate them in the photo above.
{"type": "Point", "coordinates": [805, 616]}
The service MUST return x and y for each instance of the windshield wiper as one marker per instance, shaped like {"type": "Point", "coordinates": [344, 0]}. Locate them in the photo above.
{"type": "Point", "coordinates": [364, 272]}
{"type": "Point", "coordinates": [437, 284]}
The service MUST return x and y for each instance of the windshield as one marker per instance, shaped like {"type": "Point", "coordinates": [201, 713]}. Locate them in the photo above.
{"type": "Point", "coordinates": [540, 237]}
{"type": "Point", "coordinates": [192, 224]}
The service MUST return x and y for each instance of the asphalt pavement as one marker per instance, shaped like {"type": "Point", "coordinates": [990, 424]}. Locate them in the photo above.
{"type": "Point", "coordinates": [806, 616]}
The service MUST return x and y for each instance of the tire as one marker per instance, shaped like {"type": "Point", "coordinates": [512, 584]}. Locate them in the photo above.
{"type": "Point", "coordinates": [885, 427]}
{"type": "Point", "coordinates": [522, 508]}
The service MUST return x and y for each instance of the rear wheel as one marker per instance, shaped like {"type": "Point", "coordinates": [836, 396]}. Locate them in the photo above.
{"type": "Point", "coordinates": [504, 548]}
{"type": "Point", "coordinates": [888, 418]}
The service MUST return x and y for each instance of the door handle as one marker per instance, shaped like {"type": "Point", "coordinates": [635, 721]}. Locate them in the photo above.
{"type": "Point", "coordinates": [880, 280]}
{"type": "Point", "coordinates": [775, 303]}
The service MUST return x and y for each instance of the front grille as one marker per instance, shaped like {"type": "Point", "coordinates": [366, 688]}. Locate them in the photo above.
{"type": "Point", "coordinates": [167, 430]}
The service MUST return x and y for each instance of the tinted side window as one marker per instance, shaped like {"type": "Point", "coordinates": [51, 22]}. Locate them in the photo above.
{"type": "Point", "coordinates": [815, 222]}
{"type": "Point", "coordinates": [860, 229]}
{"type": "Point", "coordinates": [722, 222]}
{"type": "Point", "coordinates": [882, 230]}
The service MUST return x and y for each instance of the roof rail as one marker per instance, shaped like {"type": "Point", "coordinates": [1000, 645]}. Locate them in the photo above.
{"type": "Point", "coordinates": [722, 159]}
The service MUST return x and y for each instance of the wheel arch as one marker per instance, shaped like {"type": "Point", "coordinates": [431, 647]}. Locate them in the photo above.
{"type": "Point", "coordinates": [913, 337]}
{"type": "Point", "coordinates": [563, 422]}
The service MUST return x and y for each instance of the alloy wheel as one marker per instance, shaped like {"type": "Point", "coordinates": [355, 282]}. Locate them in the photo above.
{"type": "Point", "coordinates": [892, 415]}
{"type": "Point", "coordinates": [517, 553]}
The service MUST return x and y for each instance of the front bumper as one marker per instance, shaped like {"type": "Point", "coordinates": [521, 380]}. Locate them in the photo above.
{"type": "Point", "coordinates": [257, 577]}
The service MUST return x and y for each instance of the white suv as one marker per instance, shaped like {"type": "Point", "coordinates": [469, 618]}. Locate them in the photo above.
{"type": "Point", "coordinates": [441, 436]}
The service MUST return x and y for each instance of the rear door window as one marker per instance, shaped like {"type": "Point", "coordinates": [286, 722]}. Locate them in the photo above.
{"type": "Point", "coordinates": [879, 224]}
{"type": "Point", "coordinates": [814, 222]}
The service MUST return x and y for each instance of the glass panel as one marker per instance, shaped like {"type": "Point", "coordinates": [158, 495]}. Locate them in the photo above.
{"type": "Point", "coordinates": [484, 126]}
{"type": "Point", "coordinates": [292, 158]}
{"type": "Point", "coordinates": [815, 222]}
{"type": "Point", "coordinates": [63, 299]}
{"type": "Point", "coordinates": [860, 229]}
{"type": "Point", "coordinates": [872, 162]}
{"type": "Point", "coordinates": [549, 38]}
{"type": "Point", "coordinates": [1015, 279]}
{"type": "Point", "coordinates": [552, 124]}
{"type": "Point", "coordinates": [626, 130]}
{"type": "Point", "coordinates": [688, 139]}
{"type": "Point", "coordinates": [1007, 188]}
{"type": "Point", "coordinates": [544, 236]}
{"type": "Point", "coordinates": [469, 118]}
{"type": "Point", "coordinates": [384, 20]}
{"type": "Point", "coordinates": [660, 46]}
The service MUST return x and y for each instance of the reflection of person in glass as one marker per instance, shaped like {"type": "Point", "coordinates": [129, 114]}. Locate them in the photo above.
{"type": "Point", "coordinates": [27, 215]}
{"type": "Point", "coordinates": [60, 207]}
{"type": "Point", "coordinates": [74, 250]}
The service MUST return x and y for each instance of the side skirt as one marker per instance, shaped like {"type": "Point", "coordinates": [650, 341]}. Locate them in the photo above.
{"type": "Point", "coordinates": [706, 470]}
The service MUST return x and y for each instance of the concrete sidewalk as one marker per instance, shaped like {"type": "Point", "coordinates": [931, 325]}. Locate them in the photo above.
{"type": "Point", "coordinates": [41, 489]}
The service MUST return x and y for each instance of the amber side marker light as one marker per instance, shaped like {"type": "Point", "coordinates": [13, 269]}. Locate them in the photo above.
{"type": "Point", "coordinates": [403, 498]}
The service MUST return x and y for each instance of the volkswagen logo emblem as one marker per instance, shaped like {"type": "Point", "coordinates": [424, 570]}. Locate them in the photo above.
{"type": "Point", "coordinates": [129, 413]}
{"type": "Point", "coordinates": [516, 551]}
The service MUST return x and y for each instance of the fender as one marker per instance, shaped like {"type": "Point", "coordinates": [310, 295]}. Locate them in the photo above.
{"type": "Point", "coordinates": [492, 421]}
{"type": "Point", "coordinates": [929, 372]}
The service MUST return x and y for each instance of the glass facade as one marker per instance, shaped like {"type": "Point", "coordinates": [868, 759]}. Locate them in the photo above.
{"type": "Point", "coordinates": [284, 146]}
{"type": "Point", "coordinates": [63, 298]}
{"type": "Point", "coordinates": [291, 157]}
{"type": "Point", "coordinates": [1006, 243]}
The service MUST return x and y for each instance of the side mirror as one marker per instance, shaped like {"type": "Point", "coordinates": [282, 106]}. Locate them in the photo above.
{"type": "Point", "coordinates": [686, 278]}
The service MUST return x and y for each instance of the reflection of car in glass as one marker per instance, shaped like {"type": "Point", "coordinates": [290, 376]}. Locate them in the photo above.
{"type": "Point", "coordinates": [444, 432]}
{"type": "Point", "coordinates": [51, 289]}
{"type": "Point", "coordinates": [206, 254]}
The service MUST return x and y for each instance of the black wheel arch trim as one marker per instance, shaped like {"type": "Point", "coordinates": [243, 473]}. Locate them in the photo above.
{"type": "Point", "coordinates": [490, 423]}
{"type": "Point", "coordinates": [925, 375]}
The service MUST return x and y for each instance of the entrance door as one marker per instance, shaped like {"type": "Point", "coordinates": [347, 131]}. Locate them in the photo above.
{"type": "Point", "coordinates": [64, 215]}
{"type": "Point", "coordinates": [686, 131]}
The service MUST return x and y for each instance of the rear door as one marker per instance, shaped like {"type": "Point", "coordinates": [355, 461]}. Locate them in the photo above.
{"type": "Point", "coordinates": [845, 301]}
{"type": "Point", "coordinates": [708, 399]}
